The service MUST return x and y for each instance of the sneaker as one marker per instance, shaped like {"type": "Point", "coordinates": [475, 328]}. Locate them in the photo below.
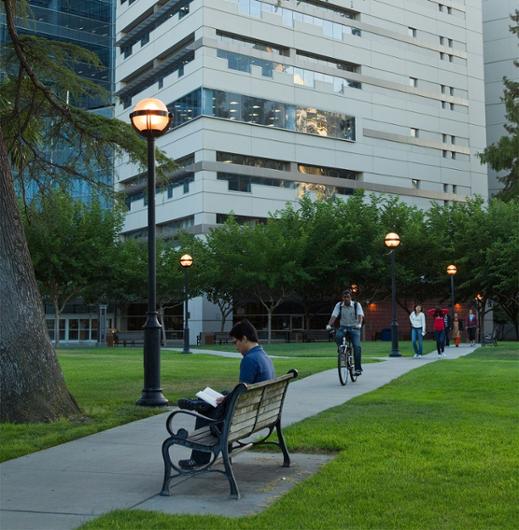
{"type": "Point", "coordinates": [186, 404]}
{"type": "Point", "coordinates": [419, 356]}
{"type": "Point", "coordinates": [187, 464]}
{"type": "Point", "coordinates": [358, 372]}
{"type": "Point", "coordinates": [415, 356]}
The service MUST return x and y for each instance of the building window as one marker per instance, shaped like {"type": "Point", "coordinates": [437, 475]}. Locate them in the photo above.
{"type": "Point", "coordinates": [415, 183]}
{"type": "Point", "coordinates": [440, 8]}
{"type": "Point", "coordinates": [413, 81]}
{"type": "Point", "coordinates": [256, 161]}
{"type": "Point", "coordinates": [217, 103]}
{"type": "Point", "coordinates": [444, 138]}
{"type": "Point", "coordinates": [449, 10]}
{"type": "Point", "coordinates": [453, 154]}
{"type": "Point", "coordinates": [442, 41]}
{"type": "Point", "coordinates": [451, 58]}
{"type": "Point", "coordinates": [324, 171]}
{"type": "Point", "coordinates": [442, 56]}
{"type": "Point", "coordinates": [444, 153]}
{"type": "Point", "coordinates": [445, 188]}
{"type": "Point", "coordinates": [442, 88]}
{"type": "Point", "coordinates": [411, 31]}
{"type": "Point", "coordinates": [414, 132]}
{"type": "Point", "coordinates": [451, 106]}
{"type": "Point", "coordinates": [453, 139]}
{"type": "Point", "coordinates": [454, 188]}
{"type": "Point", "coordinates": [444, 104]}
{"type": "Point", "coordinates": [451, 91]}
{"type": "Point", "coordinates": [449, 43]}
{"type": "Point", "coordinates": [145, 39]}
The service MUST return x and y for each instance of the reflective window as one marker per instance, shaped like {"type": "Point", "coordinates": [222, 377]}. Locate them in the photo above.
{"type": "Point", "coordinates": [248, 109]}
{"type": "Point", "coordinates": [256, 161]}
{"type": "Point", "coordinates": [324, 171]}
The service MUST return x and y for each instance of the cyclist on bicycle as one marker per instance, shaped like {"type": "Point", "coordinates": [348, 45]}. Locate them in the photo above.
{"type": "Point", "coordinates": [347, 318]}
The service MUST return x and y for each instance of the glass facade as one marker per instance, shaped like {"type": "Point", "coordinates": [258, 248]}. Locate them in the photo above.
{"type": "Point", "coordinates": [244, 183]}
{"type": "Point", "coordinates": [248, 109]}
{"type": "Point", "coordinates": [289, 17]}
{"type": "Point", "coordinates": [300, 76]}
{"type": "Point", "coordinates": [256, 161]}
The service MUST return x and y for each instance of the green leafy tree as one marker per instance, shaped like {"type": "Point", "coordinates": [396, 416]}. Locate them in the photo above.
{"type": "Point", "coordinates": [40, 107]}
{"type": "Point", "coordinates": [504, 154]}
{"type": "Point", "coordinates": [71, 243]}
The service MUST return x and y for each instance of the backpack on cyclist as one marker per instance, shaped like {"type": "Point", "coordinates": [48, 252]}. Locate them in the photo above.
{"type": "Point", "coordinates": [337, 321]}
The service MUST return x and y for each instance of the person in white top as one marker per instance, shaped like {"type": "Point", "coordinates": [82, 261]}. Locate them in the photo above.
{"type": "Point", "coordinates": [417, 319]}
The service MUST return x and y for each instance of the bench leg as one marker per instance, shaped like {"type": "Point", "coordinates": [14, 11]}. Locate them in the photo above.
{"type": "Point", "coordinates": [283, 445]}
{"type": "Point", "coordinates": [167, 467]}
{"type": "Point", "coordinates": [230, 474]}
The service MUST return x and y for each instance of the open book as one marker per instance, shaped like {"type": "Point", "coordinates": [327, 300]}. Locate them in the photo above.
{"type": "Point", "coordinates": [209, 396]}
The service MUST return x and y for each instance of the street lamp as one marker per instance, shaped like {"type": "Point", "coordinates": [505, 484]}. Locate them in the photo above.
{"type": "Point", "coordinates": [185, 262]}
{"type": "Point", "coordinates": [392, 241]}
{"type": "Point", "coordinates": [151, 118]}
{"type": "Point", "coordinates": [451, 271]}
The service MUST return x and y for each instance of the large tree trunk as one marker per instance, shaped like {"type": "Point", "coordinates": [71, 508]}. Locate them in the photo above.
{"type": "Point", "coordinates": [32, 387]}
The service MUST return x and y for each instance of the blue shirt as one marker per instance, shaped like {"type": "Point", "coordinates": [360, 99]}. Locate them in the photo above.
{"type": "Point", "coordinates": [256, 366]}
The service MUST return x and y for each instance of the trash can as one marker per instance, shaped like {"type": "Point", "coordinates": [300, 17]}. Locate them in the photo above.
{"type": "Point", "coordinates": [385, 334]}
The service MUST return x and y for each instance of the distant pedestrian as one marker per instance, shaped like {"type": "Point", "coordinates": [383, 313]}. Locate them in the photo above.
{"type": "Point", "coordinates": [417, 319]}
{"type": "Point", "coordinates": [472, 326]}
{"type": "Point", "coordinates": [448, 327]}
{"type": "Point", "coordinates": [457, 328]}
{"type": "Point", "coordinates": [439, 329]}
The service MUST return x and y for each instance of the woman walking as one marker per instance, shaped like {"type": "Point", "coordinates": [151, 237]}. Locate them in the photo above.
{"type": "Point", "coordinates": [439, 329]}
{"type": "Point", "coordinates": [457, 328]}
{"type": "Point", "coordinates": [417, 319]}
{"type": "Point", "coordinates": [472, 326]}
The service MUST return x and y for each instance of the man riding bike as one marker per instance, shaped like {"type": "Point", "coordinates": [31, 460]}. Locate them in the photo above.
{"type": "Point", "coordinates": [347, 317]}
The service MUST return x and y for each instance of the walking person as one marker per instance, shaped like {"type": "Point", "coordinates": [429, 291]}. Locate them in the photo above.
{"type": "Point", "coordinates": [417, 319]}
{"type": "Point", "coordinates": [448, 328]}
{"type": "Point", "coordinates": [472, 326]}
{"type": "Point", "coordinates": [457, 328]}
{"type": "Point", "coordinates": [439, 329]}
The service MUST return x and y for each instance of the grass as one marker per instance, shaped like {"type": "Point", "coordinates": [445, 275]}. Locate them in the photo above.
{"type": "Point", "coordinates": [106, 382]}
{"type": "Point", "coordinates": [437, 448]}
{"type": "Point", "coordinates": [327, 349]}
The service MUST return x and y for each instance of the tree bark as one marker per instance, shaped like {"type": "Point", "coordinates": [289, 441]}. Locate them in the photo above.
{"type": "Point", "coordinates": [32, 387]}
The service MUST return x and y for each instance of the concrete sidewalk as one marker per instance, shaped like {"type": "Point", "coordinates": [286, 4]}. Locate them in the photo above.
{"type": "Point", "coordinates": [121, 468]}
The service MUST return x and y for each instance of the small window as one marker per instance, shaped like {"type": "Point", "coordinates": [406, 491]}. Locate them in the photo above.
{"type": "Point", "coordinates": [414, 132]}
{"type": "Point", "coordinates": [445, 188]}
{"type": "Point", "coordinates": [413, 81]}
{"type": "Point", "coordinates": [449, 43]}
{"type": "Point", "coordinates": [453, 139]}
{"type": "Point", "coordinates": [411, 31]}
{"type": "Point", "coordinates": [440, 8]}
{"type": "Point", "coordinates": [449, 10]}
{"type": "Point", "coordinates": [442, 88]}
{"type": "Point", "coordinates": [451, 58]}
{"type": "Point", "coordinates": [454, 188]}
{"type": "Point", "coordinates": [442, 56]}
{"type": "Point", "coordinates": [444, 153]}
{"type": "Point", "coordinates": [145, 39]}
{"type": "Point", "coordinates": [451, 106]}
{"type": "Point", "coordinates": [453, 155]}
{"type": "Point", "coordinates": [444, 138]}
{"type": "Point", "coordinates": [451, 91]}
{"type": "Point", "coordinates": [444, 104]}
{"type": "Point", "coordinates": [442, 40]}
{"type": "Point", "coordinates": [415, 183]}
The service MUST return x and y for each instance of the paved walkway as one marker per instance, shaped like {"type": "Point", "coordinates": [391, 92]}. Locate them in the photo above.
{"type": "Point", "coordinates": [64, 486]}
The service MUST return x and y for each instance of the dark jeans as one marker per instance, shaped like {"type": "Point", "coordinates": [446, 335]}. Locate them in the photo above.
{"type": "Point", "coordinates": [417, 340]}
{"type": "Point", "coordinates": [211, 413]}
{"type": "Point", "coordinates": [354, 334]}
{"type": "Point", "coordinates": [440, 341]}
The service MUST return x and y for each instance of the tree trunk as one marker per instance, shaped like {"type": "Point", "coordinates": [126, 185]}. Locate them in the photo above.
{"type": "Point", "coordinates": [32, 387]}
{"type": "Point", "coordinates": [57, 314]}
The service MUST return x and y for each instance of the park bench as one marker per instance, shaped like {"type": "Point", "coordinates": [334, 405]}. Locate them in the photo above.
{"type": "Point", "coordinates": [129, 338]}
{"type": "Point", "coordinates": [250, 409]}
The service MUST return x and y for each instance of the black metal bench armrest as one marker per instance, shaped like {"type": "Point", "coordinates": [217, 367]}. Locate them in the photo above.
{"type": "Point", "coordinates": [169, 426]}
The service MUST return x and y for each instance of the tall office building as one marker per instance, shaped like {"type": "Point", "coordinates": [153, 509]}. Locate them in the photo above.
{"type": "Point", "coordinates": [86, 23]}
{"type": "Point", "coordinates": [273, 99]}
{"type": "Point", "coordinates": [500, 51]}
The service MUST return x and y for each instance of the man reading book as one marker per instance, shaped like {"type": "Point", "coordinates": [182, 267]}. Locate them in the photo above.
{"type": "Point", "coordinates": [255, 366]}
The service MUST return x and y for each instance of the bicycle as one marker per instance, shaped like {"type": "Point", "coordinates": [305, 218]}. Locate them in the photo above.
{"type": "Point", "coordinates": [345, 362]}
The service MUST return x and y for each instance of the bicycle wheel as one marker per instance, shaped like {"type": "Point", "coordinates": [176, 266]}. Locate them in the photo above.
{"type": "Point", "coordinates": [351, 365]}
{"type": "Point", "coordinates": [342, 365]}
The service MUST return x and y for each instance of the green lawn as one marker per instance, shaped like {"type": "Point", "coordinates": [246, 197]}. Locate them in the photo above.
{"type": "Point", "coordinates": [436, 449]}
{"type": "Point", "coordinates": [328, 349]}
{"type": "Point", "coordinates": [106, 382]}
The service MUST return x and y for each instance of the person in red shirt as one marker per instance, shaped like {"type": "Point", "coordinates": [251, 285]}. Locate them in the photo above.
{"type": "Point", "coordinates": [439, 328]}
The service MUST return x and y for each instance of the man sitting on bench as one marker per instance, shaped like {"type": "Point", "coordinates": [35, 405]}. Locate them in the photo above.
{"type": "Point", "coordinates": [255, 367]}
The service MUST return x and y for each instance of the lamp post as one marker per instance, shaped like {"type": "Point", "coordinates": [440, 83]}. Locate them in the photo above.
{"type": "Point", "coordinates": [392, 241]}
{"type": "Point", "coordinates": [150, 118]}
{"type": "Point", "coordinates": [451, 271]}
{"type": "Point", "coordinates": [185, 262]}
